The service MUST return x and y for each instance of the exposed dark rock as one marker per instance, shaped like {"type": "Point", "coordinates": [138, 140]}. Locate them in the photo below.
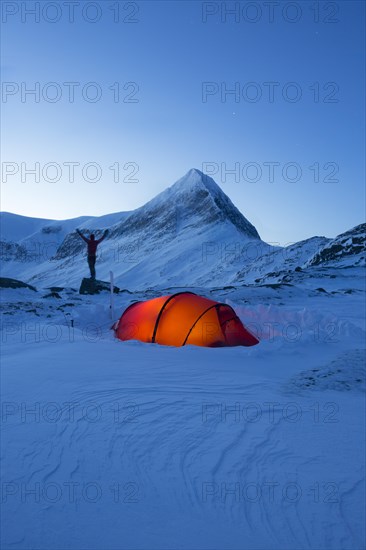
{"type": "Point", "coordinates": [55, 288]}
{"type": "Point", "coordinates": [13, 251]}
{"type": "Point", "coordinates": [90, 286]}
{"type": "Point", "coordinates": [275, 286]}
{"type": "Point", "coordinates": [52, 295]}
{"type": "Point", "coordinates": [50, 229]}
{"type": "Point", "coordinates": [5, 282]}
{"type": "Point", "coordinates": [350, 243]}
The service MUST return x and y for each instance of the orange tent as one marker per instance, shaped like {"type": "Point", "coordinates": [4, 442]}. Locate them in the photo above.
{"type": "Point", "coordinates": [183, 318]}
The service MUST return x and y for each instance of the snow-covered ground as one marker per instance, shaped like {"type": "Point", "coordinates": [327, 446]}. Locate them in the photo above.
{"type": "Point", "coordinates": [124, 445]}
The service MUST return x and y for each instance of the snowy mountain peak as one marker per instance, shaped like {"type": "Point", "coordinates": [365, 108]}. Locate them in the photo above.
{"type": "Point", "coordinates": [195, 180]}
{"type": "Point", "coordinates": [191, 233]}
{"type": "Point", "coordinates": [197, 199]}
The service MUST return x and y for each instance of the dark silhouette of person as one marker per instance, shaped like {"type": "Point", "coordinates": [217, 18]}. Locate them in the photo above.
{"type": "Point", "coordinates": [92, 250]}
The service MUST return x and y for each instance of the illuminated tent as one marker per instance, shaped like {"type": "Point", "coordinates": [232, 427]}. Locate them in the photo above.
{"type": "Point", "coordinates": [183, 318]}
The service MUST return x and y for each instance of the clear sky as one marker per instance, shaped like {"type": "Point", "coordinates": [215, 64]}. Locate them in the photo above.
{"type": "Point", "coordinates": [144, 87]}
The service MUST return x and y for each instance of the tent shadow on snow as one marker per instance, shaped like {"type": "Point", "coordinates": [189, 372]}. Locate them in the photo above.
{"type": "Point", "coordinates": [183, 318]}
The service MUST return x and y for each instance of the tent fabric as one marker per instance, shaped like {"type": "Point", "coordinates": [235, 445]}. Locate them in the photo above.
{"type": "Point", "coordinates": [181, 319]}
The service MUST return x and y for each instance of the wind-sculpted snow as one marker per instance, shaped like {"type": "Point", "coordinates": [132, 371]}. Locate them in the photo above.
{"type": "Point", "coordinates": [124, 445]}
{"type": "Point", "coordinates": [347, 372]}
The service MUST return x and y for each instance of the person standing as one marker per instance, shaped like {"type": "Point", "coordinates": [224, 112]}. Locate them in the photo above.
{"type": "Point", "coordinates": [92, 250]}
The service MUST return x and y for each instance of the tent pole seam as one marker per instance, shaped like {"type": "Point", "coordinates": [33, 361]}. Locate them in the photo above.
{"type": "Point", "coordinates": [216, 306]}
{"type": "Point", "coordinates": [161, 312]}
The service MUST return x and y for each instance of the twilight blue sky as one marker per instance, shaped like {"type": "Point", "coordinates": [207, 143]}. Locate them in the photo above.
{"type": "Point", "coordinates": [168, 50]}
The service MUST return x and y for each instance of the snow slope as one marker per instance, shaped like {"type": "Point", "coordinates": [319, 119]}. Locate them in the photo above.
{"type": "Point", "coordinates": [190, 234]}
{"type": "Point", "coordinates": [176, 236]}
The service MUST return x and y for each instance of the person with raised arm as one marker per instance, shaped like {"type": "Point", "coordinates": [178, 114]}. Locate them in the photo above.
{"type": "Point", "coordinates": [92, 250]}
